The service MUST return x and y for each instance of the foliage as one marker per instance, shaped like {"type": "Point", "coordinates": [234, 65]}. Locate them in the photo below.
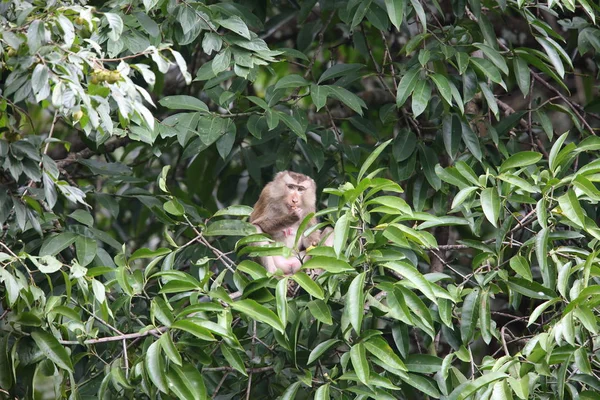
{"type": "Point", "coordinates": [453, 144]}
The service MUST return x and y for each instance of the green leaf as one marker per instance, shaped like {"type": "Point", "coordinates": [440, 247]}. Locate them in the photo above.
{"type": "Point", "coordinates": [169, 348]}
{"type": "Point", "coordinates": [355, 301]}
{"type": "Point", "coordinates": [222, 61]}
{"type": "Point", "coordinates": [443, 86]}
{"type": "Point", "coordinates": [423, 363]}
{"type": "Point", "coordinates": [329, 264]}
{"type": "Point", "coordinates": [407, 85]}
{"type": "Point", "coordinates": [462, 195]}
{"type": "Point", "coordinates": [319, 94]}
{"type": "Point", "coordinates": [494, 56]}
{"type": "Point", "coordinates": [348, 98]}
{"type": "Point", "coordinates": [340, 234]}
{"type": "Point", "coordinates": [186, 382]}
{"type": "Point", "coordinates": [116, 25]}
{"type": "Point", "coordinates": [230, 227]}
{"type": "Point", "coordinates": [293, 124]}
{"type": "Point", "coordinates": [236, 211]}
{"type": "Point", "coordinates": [466, 389]}
{"type": "Point", "coordinates": [414, 276]}
{"type": "Point", "coordinates": [571, 208]}
{"type": "Point", "coordinates": [193, 328]}
{"type": "Point", "coordinates": [420, 13]}
{"type": "Point", "coordinates": [554, 152]}
{"type": "Point", "coordinates": [520, 265]}
{"type": "Point", "coordinates": [339, 70]}
{"type": "Point", "coordinates": [291, 81]}
{"type": "Point", "coordinates": [490, 203]}
{"type": "Point", "coordinates": [540, 309]}
{"type": "Point", "coordinates": [421, 96]}
{"type": "Point", "coordinates": [320, 310]}
{"type": "Point", "coordinates": [258, 312]}
{"type": "Point", "coordinates": [468, 317]}
{"type": "Point", "coordinates": [320, 349]}
{"type": "Point", "coordinates": [394, 202]}
{"type": "Point", "coordinates": [471, 140]}
{"type": "Point", "coordinates": [395, 10]}
{"type": "Point", "coordinates": [147, 253]}
{"type": "Point", "coordinates": [382, 350]}
{"type": "Point", "coordinates": [322, 392]}
{"type": "Point", "coordinates": [234, 359]}
{"type": "Point", "coordinates": [235, 24]}
{"type": "Point", "coordinates": [371, 159]}
{"type": "Point", "coordinates": [522, 74]}
{"type": "Point", "coordinates": [490, 99]}
{"type": "Point", "coordinates": [404, 145]}
{"type": "Point", "coordinates": [309, 285]}
{"type": "Point", "coordinates": [552, 53]}
{"type": "Point", "coordinates": [519, 183]}
{"type": "Point", "coordinates": [52, 349]}
{"type": "Point", "coordinates": [46, 264]}
{"type": "Point", "coordinates": [290, 392]}
{"type": "Point", "coordinates": [358, 357]}
{"type": "Point", "coordinates": [530, 289]}
{"type": "Point", "coordinates": [182, 102]}
{"type": "Point", "coordinates": [488, 69]}
{"type": "Point", "coordinates": [522, 159]}
{"type": "Point", "coordinates": [57, 243]}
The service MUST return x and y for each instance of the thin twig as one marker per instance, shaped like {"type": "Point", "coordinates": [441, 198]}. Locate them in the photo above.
{"type": "Point", "coordinates": [216, 391]}
{"type": "Point", "coordinates": [116, 338]}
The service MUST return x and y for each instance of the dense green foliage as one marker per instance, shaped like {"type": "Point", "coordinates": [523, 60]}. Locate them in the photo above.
{"type": "Point", "coordinates": [453, 146]}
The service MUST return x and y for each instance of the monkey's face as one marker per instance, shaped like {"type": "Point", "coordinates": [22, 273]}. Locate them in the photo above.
{"type": "Point", "coordinates": [299, 193]}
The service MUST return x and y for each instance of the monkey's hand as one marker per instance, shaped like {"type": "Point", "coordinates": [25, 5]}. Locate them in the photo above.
{"type": "Point", "coordinates": [297, 211]}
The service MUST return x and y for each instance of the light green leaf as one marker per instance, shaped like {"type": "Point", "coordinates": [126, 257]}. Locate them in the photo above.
{"type": "Point", "coordinates": [348, 98]}
{"type": "Point", "coordinates": [339, 70]}
{"type": "Point", "coordinates": [320, 349]}
{"type": "Point", "coordinates": [235, 24]}
{"type": "Point", "coordinates": [421, 97]}
{"type": "Point", "coordinates": [443, 86]}
{"type": "Point", "coordinates": [521, 159]}
{"type": "Point", "coordinates": [309, 285]}
{"type": "Point", "coordinates": [320, 310]}
{"type": "Point", "coordinates": [414, 276]}
{"type": "Point", "coordinates": [490, 203]}
{"type": "Point", "coordinates": [407, 85]}
{"type": "Point", "coordinates": [358, 357]}
{"type": "Point", "coordinates": [319, 95]}
{"type": "Point", "coordinates": [258, 312]}
{"type": "Point", "coordinates": [553, 55]}
{"type": "Point", "coordinates": [469, 314]}
{"type": "Point", "coordinates": [382, 350]}
{"type": "Point", "coordinates": [420, 13]}
{"type": "Point", "coordinates": [569, 204]}
{"type": "Point", "coordinates": [395, 10]}
{"type": "Point", "coordinates": [53, 350]}
{"type": "Point", "coordinates": [523, 75]}
{"type": "Point", "coordinates": [183, 102]}
{"type": "Point", "coordinates": [186, 382]}
{"type": "Point", "coordinates": [291, 81]}
{"type": "Point", "coordinates": [372, 157]}
{"type": "Point", "coordinates": [355, 301]}
{"type": "Point", "coordinates": [520, 265]}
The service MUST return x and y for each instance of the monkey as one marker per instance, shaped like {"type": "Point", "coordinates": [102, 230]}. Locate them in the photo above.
{"type": "Point", "coordinates": [282, 205]}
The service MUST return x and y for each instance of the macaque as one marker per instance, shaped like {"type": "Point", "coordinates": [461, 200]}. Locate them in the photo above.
{"type": "Point", "coordinates": [281, 207]}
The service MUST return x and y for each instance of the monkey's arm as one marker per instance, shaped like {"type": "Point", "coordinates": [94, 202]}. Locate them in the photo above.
{"type": "Point", "coordinates": [275, 224]}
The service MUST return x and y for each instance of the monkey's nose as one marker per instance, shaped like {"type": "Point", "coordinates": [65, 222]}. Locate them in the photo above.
{"type": "Point", "coordinates": [294, 200]}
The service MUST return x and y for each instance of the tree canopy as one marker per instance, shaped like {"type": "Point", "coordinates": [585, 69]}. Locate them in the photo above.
{"type": "Point", "coordinates": [454, 148]}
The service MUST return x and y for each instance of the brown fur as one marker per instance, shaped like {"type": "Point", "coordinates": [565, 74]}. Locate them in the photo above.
{"type": "Point", "coordinates": [281, 207]}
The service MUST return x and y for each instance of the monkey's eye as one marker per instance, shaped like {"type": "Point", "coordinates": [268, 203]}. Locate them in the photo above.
{"type": "Point", "coordinates": [291, 187]}
{"type": "Point", "coordinates": [301, 189]}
